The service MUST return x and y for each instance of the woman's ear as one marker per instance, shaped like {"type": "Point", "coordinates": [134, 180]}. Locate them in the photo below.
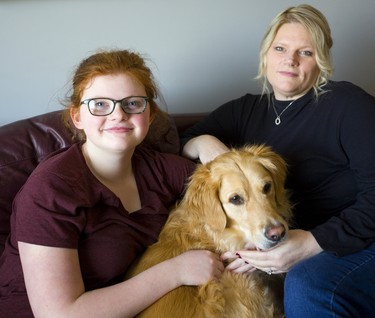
{"type": "Point", "coordinates": [76, 117]}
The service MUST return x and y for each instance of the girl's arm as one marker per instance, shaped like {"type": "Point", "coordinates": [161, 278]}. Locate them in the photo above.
{"type": "Point", "coordinates": [55, 287]}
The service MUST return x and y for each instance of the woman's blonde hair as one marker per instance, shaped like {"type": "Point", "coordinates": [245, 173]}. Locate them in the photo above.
{"type": "Point", "coordinates": [108, 62]}
{"type": "Point", "coordinates": [317, 26]}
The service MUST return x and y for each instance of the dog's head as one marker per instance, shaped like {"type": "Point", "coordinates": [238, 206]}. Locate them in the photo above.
{"type": "Point", "coordinates": [241, 197]}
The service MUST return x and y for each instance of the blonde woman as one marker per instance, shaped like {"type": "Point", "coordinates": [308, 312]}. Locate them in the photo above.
{"type": "Point", "coordinates": [325, 130]}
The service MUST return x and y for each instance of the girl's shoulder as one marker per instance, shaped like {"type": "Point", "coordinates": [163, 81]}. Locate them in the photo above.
{"type": "Point", "coordinates": [63, 171]}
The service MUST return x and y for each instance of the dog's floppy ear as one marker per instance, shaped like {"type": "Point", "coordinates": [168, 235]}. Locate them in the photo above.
{"type": "Point", "coordinates": [277, 168]}
{"type": "Point", "coordinates": [201, 198]}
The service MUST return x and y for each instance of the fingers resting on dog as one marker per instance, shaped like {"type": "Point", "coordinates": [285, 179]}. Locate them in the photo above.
{"type": "Point", "coordinates": [299, 245]}
{"type": "Point", "coordinates": [236, 263]}
{"type": "Point", "coordinates": [245, 261]}
{"type": "Point", "coordinates": [197, 267]}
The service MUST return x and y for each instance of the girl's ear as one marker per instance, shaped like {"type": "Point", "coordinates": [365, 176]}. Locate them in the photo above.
{"type": "Point", "coordinates": [76, 117]}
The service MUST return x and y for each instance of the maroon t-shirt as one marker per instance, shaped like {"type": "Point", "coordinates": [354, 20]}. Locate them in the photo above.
{"type": "Point", "coordinates": [62, 204]}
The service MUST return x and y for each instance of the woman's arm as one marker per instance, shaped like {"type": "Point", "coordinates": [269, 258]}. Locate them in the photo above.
{"type": "Point", "coordinates": [204, 147]}
{"type": "Point", "coordinates": [353, 228]}
{"type": "Point", "coordinates": [55, 287]}
{"type": "Point", "coordinates": [218, 131]}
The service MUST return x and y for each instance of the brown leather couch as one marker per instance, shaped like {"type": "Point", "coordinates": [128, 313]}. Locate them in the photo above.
{"type": "Point", "coordinates": [23, 144]}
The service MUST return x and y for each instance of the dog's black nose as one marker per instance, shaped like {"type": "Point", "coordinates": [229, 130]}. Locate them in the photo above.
{"type": "Point", "coordinates": [275, 232]}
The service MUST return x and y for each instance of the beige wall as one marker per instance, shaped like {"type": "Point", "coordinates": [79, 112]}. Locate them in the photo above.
{"type": "Point", "coordinates": [204, 52]}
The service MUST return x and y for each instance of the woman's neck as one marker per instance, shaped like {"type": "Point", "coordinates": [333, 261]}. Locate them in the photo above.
{"type": "Point", "coordinates": [290, 97]}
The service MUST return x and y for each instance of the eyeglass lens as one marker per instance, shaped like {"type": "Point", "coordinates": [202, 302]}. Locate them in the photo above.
{"type": "Point", "coordinates": [104, 106]}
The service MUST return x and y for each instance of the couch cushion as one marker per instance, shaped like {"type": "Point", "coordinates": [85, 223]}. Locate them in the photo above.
{"type": "Point", "coordinates": [23, 145]}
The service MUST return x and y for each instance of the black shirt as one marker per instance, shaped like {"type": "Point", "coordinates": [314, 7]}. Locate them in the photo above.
{"type": "Point", "coordinates": [329, 145]}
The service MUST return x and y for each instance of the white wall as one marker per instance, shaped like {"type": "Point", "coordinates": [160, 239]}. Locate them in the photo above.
{"type": "Point", "coordinates": [204, 52]}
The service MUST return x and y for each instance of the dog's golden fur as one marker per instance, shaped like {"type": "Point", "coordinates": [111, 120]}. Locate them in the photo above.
{"type": "Point", "coordinates": [236, 201]}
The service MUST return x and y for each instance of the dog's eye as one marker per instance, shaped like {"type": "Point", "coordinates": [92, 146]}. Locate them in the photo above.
{"type": "Point", "coordinates": [236, 200]}
{"type": "Point", "coordinates": [267, 187]}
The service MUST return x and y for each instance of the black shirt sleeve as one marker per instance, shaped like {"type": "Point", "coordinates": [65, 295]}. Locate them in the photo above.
{"type": "Point", "coordinates": [353, 228]}
{"type": "Point", "coordinates": [226, 122]}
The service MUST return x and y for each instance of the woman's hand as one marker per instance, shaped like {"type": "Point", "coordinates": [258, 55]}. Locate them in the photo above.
{"type": "Point", "coordinates": [236, 263]}
{"type": "Point", "coordinates": [299, 245]}
{"type": "Point", "coordinates": [204, 147]}
{"type": "Point", "coordinates": [197, 267]}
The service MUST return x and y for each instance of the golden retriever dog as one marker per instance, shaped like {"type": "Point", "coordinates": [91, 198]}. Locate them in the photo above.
{"type": "Point", "coordinates": [234, 202]}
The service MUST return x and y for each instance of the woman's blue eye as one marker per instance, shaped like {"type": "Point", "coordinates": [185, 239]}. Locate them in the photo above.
{"type": "Point", "coordinates": [306, 53]}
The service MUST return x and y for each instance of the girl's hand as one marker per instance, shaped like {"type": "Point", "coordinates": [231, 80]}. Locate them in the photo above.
{"type": "Point", "coordinates": [197, 267]}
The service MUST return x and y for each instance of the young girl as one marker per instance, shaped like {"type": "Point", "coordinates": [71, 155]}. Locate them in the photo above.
{"type": "Point", "coordinates": [89, 210]}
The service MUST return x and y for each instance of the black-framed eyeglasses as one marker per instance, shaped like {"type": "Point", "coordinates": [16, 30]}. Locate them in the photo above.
{"type": "Point", "coordinates": [106, 106]}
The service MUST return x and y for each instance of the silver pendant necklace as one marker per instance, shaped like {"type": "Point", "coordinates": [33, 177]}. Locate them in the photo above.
{"type": "Point", "coordinates": [278, 116]}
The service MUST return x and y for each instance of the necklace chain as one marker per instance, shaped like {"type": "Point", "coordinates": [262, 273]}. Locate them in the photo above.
{"type": "Point", "coordinates": [278, 116]}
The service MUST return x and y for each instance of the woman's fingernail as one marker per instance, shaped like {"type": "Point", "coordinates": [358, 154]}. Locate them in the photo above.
{"type": "Point", "coordinates": [238, 255]}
